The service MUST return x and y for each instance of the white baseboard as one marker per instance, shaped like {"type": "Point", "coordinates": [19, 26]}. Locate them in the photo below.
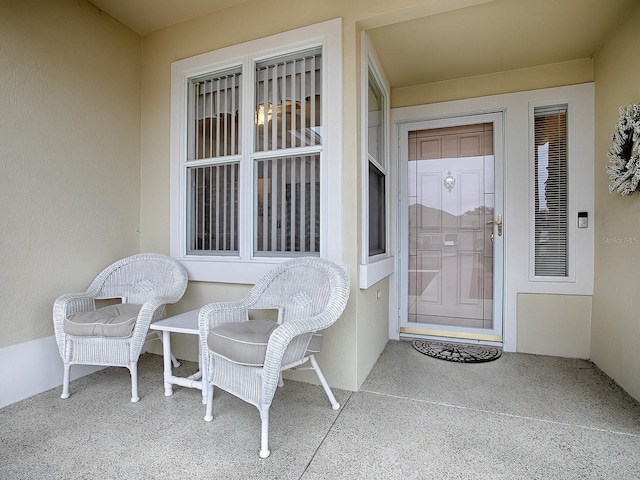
{"type": "Point", "coordinates": [33, 367]}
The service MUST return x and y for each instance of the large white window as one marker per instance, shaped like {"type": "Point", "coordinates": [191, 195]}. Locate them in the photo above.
{"type": "Point", "coordinates": [256, 154]}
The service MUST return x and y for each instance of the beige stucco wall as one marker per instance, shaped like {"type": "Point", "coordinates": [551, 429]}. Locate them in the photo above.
{"type": "Point", "coordinates": [69, 155]}
{"type": "Point", "coordinates": [615, 336]}
{"type": "Point", "coordinates": [373, 326]}
{"type": "Point", "coordinates": [557, 325]}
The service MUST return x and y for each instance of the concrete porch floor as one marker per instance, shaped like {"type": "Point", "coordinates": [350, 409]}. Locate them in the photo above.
{"type": "Point", "coordinates": [521, 416]}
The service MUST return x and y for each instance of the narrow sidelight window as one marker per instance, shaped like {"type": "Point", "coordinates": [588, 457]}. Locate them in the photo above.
{"type": "Point", "coordinates": [551, 191]}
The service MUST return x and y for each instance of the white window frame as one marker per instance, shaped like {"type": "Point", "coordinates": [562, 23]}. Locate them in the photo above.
{"type": "Point", "coordinates": [377, 267]}
{"type": "Point", "coordinates": [244, 267]}
{"type": "Point", "coordinates": [571, 207]}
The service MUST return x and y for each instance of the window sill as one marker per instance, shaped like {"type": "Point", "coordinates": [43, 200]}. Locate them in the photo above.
{"type": "Point", "coordinates": [372, 273]}
{"type": "Point", "coordinates": [228, 270]}
{"type": "Point", "coordinates": [232, 269]}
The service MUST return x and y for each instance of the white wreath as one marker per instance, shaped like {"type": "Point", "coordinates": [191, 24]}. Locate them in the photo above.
{"type": "Point", "coordinates": [624, 154]}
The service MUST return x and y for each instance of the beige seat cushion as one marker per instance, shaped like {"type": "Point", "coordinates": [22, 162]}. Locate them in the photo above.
{"type": "Point", "coordinates": [112, 321]}
{"type": "Point", "coordinates": [242, 342]}
{"type": "Point", "coordinates": [246, 342]}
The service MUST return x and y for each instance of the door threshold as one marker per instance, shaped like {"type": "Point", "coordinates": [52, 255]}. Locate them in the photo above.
{"type": "Point", "coordinates": [460, 337]}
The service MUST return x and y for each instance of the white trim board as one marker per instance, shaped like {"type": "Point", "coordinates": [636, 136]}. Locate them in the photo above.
{"type": "Point", "coordinates": [34, 367]}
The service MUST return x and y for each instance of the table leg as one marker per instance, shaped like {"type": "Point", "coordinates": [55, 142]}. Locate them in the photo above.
{"type": "Point", "coordinates": [166, 356]}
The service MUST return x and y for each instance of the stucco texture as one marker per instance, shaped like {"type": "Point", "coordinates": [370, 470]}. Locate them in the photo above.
{"type": "Point", "coordinates": [69, 155]}
{"type": "Point", "coordinates": [615, 335]}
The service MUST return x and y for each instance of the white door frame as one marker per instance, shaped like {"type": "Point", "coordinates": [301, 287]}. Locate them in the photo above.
{"type": "Point", "coordinates": [402, 128]}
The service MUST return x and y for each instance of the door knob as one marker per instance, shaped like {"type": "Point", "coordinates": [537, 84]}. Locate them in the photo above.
{"type": "Point", "coordinates": [497, 222]}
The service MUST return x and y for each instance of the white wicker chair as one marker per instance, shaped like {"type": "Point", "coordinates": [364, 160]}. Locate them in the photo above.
{"type": "Point", "coordinates": [309, 294]}
{"type": "Point", "coordinates": [145, 283]}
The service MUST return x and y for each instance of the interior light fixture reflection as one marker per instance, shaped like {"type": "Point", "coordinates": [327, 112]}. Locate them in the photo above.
{"type": "Point", "coordinates": [260, 114]}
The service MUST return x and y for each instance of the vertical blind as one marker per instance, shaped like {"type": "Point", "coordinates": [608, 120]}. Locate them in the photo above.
{"type": "Point", "coordinates": [286, 187]}
{"type": "Point", "coordinates": [287, 103]}
{"type": "Point", "coordinates": [551, 191]}
{"type": "Point", "coordinates": [287, 205]}
{"type": "Point", "coordinates": [212, 203]}
{"type": "Point", "coordinates": [287, 145]}
{"type": "Point", "coordinates": [215, 115]}
{"type": "Point", "coordinates": [213, 207]}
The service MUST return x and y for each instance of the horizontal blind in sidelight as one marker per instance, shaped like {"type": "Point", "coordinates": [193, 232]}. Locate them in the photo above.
{"type": "Point", "coordinates": [551, 191]}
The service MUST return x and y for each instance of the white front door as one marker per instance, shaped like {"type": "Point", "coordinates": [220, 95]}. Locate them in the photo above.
{"type": "Point", "coordinates": [451, 227]}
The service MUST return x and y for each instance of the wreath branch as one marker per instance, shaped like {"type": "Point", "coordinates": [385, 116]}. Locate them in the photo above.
{"type": "Point", "coordinates": [624, 154]}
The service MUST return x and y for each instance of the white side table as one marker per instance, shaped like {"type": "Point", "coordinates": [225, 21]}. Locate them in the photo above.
{"type": "Point", "coordinates": [183, 323]}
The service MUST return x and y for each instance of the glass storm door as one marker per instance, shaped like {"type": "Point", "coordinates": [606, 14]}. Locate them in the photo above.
{"type": "Point", "coordinates": [452, 228]}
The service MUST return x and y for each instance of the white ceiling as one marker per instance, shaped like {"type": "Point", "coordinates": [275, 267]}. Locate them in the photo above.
{"type": "Point", "coordinates": [491, 37]}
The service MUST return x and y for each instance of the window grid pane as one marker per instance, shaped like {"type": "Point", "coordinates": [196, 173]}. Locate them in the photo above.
{"type": "Point", "coordinates": [213, 207]}
{"type": "Point", "coordinates": [287, 103]}
{"type": "Point", "coordinates": [215, 116]}
{"type": "Point", "coordinates": [377, 218]}
{"type": "Point", "coordinates": [287, 206]}
{"type": "Point", "coordinates": [551, 187]}
{"type": "Point", "coordinates": [375, 138]}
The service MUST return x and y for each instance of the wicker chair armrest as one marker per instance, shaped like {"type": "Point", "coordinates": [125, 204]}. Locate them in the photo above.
{"type": "Point", "coordinates": [151, 310]}
{"type": "Point", "coordinates": [71, 303]}
{"type": "Point", "coordinates": [279, 340]}
{"type": "Point", "coordinates": [66, 305]}
{"type": "Point", "coordinates": [213, 314]}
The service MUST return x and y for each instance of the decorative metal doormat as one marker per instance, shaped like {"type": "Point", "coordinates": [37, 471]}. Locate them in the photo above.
{"type": "Point", "coordinates": [457, 352]}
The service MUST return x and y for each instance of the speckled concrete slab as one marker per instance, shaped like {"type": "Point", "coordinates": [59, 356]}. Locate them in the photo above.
{"type": "Point", "coordinates": [97, 433]}
{"type": "Point", "coordinates": [521, 416]}
{"type": "Point", "coordinates": [381, 436]}
{"type": "Point", "coordinates": [550, 388]}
